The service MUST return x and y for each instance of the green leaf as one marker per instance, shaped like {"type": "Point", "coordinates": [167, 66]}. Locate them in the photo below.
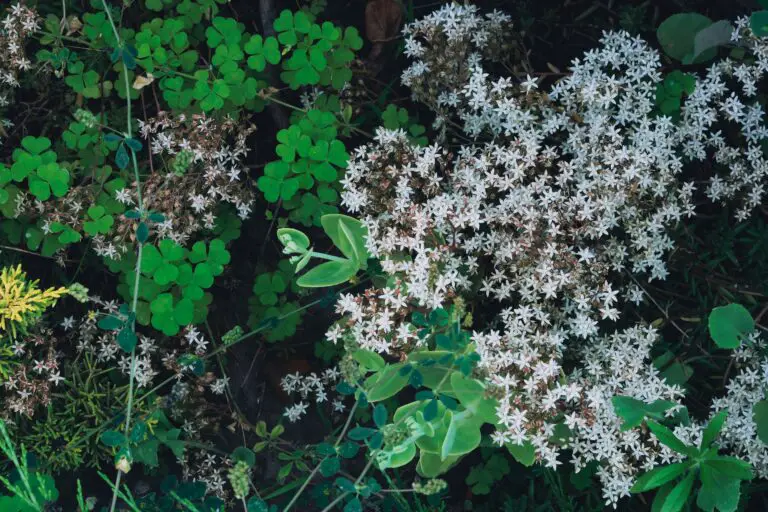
{"type": "Point", "coordinates": [330, 466]}
{"type": "Point", "coordinates": [678, 496]}
{"type": "Point", "coordinates": [348, 234]}
{"type": "Point", "coordinates": [710, 38]}
{"type": "Point", "coordinates": [713, 429]}
{"type": "Point", "coordinates": [731, 467]}
{"type": "Point", "coordinates": [386, 383]}
{"type": "Point", "coordinates": [112, 438]}
{"type": "Point", "coordinates": [760, 417]}
{"type": "Point", "coordinates": [463, 435]}
{"type": "Point", "coordinates": [729, 325]}
{"type": "Point", "coordinates": [668, 438]}
{"type": "Point", "coordinates": [183, 312]}
{"type": "Point", "coordinates": [677, 34]}
{"type": "Point", "coordinates": [524, 453]}
{"type": "Point", "coordinates": [126, 338]}
{"type": "Point", "coordinates": [369, 359]}
{"type": "Point", "coordinates": [142, 232]}
{"type": "Point", "coordinates": [293, 240]}
{"type": "Point", "coordinates": [121, 157]}
{"type": "Point", "coordinates": [380, 415]}
{"type": "Point", "coordinates": [353, 505]}
{"type": "Point", "coordinates": [110, 323]}
{"type": "Point", "coordinates": [633, 411]}
{"type": "Point", "coordinates": [241, 453]}
{"type": "Point", "coordinates": [660, 476]}
{"type": "Point", "coordinates": [329, 273]}
{"type": "Point", "coordinates": [717, 491]}
{"type": "Point", "coordinates": [472, 395]}
{"type": "Point", "coordinates": [758, 22]}
{"type": "Point", "coordinates": [203, 276]}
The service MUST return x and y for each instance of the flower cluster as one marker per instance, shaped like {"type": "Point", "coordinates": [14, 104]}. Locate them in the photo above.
{"type": "Point", "coordinates": [305, 386]}
{"type": "Point", "coordinates": [205, 162]}
{"type": "Point", "coordinates": [547, 216]}
{"type": "Point", "coordinates": [20, 21]}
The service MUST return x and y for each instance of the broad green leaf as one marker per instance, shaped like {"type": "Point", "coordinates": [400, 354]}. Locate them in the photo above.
{"type": "Point", "coordinates": [731, 467]}
{"type": "Point", "coordinates": [760, 417]}
{"type": "Point", "coordinates": [713, 428]}
{"type": "Point", "coordinates": [677, 35]}
{"type": "Point", "coordinates": [678, 496]}
{"type": "Point", "coordinates": [329, 273]}
{"type": "Point", "coordinates": [668, 438]}
{"type": "Point", "coordinates": [524, 453]}
{"type": "Point", "coordinates": [348, 234]}
{"type": "Point", "coordinates": [294, 240]}
{"type": "Point", "coordinates": [388, 383]}
{"type": "Point", "coordinates": [463, 434]}
{"type": "Point", "coordinates": [369, 359]}
{"type": "Point", "coordinates": [472, 395]}
{"type": "Point", "coordinates": [431, 465]}
{"type": "Point", "coordinates": [729, 325]}
{"type": "Point", "coordinates": [718, 491]}
{"type": "Point", "coordinates": [660, 476]}
{"type": "Point", "coordinates": [242, 453]}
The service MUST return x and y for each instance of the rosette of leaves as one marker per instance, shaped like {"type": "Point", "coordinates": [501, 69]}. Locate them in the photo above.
{"type": "Point", "coordinates": [720, 476]}
{"type": "Point", "coordinates": [396, 118]}
{"type": "Point", "coordinates": [320, 54]}
{"type": "Point", "coordinates": [451, 406]}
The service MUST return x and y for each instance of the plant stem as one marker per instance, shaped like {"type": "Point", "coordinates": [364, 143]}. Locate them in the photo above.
{"type": "Point", "coordinates": [134, 303]}
{"type": "Point", "coordinates": [334, 502]}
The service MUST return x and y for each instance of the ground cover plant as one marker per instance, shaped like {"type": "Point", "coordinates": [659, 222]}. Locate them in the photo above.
{"type": "Point", "coordinates": [383, 255]}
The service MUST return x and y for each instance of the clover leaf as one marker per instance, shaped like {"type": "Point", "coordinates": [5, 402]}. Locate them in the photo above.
{"type": "Point", "coordinates": [290, 26]}
{"type": "Point", "coordinates": [211, 96]}
{"type": "Point", "coordinates": [223, 30]}
{"type": "Point", "coordinates": [100, 222]}
{"type": "Point", "coordinates": [34, 154]}
{"type": "Point", "coordinates": [50, 178]}
{"type": "Point", "coordinates": [262, 51]}
{"type": "Point", "coordinates": [275, 184]}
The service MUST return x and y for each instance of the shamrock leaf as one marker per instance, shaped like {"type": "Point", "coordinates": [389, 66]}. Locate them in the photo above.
{"type": "Point", "coordinates": [100, 221]}
{"type": "Point", "coordinates": [290, 26]}
{"type": "Point", "coordinates": [211, 97]}
{"type": "Point", "coordinates": [223, 30]}
{"type": "Point", "coordinates": [262, 51]}
{"type": "Point", "coordinates": [275, 183]}
{"type": "Point", "coordinates": [50, 178]}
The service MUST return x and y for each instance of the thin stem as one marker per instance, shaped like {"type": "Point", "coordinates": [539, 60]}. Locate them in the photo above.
{"type": "Point", "coordinates": [334, 502]}
{"type": "Point", "coordinates": [132, 376]}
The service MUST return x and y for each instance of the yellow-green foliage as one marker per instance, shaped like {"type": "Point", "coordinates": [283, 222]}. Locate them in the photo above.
{"type": "Point", "coordinates": [21, 301]}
